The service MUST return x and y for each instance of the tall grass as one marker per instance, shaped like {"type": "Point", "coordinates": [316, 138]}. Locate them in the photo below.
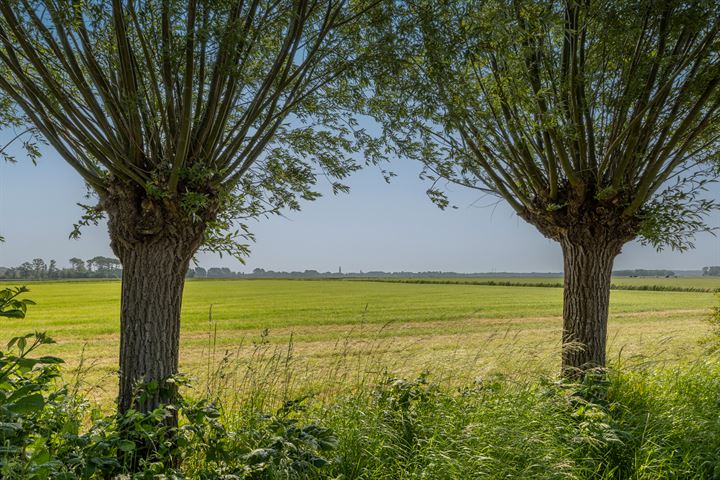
{"type": "Point", "coordinates": [644, 420]}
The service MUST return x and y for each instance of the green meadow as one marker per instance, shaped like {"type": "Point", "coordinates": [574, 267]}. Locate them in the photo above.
{"type": "Point", "coordinates": [459, 330]}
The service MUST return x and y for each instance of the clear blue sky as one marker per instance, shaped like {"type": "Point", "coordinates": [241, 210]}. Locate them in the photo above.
{"type": "Point", "coordinates": [375, 227]}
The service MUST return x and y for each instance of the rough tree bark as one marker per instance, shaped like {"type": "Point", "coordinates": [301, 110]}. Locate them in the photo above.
{"type": "Point", "coordinates": [591, 234]}
{"type": "Point", "coordinates": [155, 241]}
{"type": "Point", "coordinates": [588, 262]}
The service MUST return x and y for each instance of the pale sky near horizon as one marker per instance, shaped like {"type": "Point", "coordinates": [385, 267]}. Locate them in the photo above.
{"type": "Point", "coordinates": [377, 226]}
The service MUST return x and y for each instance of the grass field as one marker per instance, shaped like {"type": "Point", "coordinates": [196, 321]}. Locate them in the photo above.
{"type": "Point", "coordinates": [460, 331]}
{"type": "Point", "coordinates": [393, 380]}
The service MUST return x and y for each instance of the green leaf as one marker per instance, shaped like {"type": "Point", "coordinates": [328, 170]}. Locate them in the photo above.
{"type": "Point", "coordinates": [30, 404]}
{"type": "Point", "coordinates": [50, 360]}
{"type": "Point", "coordinates": [15, 313]}
{"type": "Point", "coordinates": [27, 364]}
{"type": "Point", "coordinates": [10, 428]}
{"type": "Point", "coordinates": [41, 456]}
{"type": "Point", "coordinates": [126, 445]}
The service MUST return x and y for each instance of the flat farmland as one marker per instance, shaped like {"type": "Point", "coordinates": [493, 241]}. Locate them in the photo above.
{"type": "Point", "coordinates": [458, 331]}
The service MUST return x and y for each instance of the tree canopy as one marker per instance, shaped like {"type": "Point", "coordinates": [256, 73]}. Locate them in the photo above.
{"type": "Point", "coordinates": [232, 109]}
{"type": "Point", "coordinates": [550, 104]}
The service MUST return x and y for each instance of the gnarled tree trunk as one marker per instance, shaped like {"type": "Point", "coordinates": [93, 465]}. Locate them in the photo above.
{"type": "Point", "coordinates": [154, 240]}
{"type": "Point", "coordinates": [591, 235]}
{"type": "Point", "coordinates": [588, 262]}
{"type": "Point", "coordinates": [152, 286]}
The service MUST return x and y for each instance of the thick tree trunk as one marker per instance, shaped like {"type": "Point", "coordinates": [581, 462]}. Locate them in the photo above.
{"type": "Point", "coordinates": [588, 262]}
{"type": "Point", "coordinates": [154, 240]}
{"type": "Point", "coordinates": [591, 231]}
{"type": "Point", "coordinates": [152, 286]}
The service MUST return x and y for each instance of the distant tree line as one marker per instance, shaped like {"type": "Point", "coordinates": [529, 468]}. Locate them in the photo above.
{"type": "Point", "coordinates": [38, 269]}
{"type": "Point", "coordinates": [108, 267]}
{"type": "Point", "coordinates": [225, 272]}
{"type": "Point", "coordinates": [713, 271]}
{"type": "Point", "coordinates": [216, 272]}
{"type": "Point", "coordinates": [643, 273]}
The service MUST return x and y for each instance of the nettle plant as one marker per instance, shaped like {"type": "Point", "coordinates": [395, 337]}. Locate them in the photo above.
{"type": "Point", "coordinates": [26, 389]}
{"type": "Point", "coordinates": [23, 377]}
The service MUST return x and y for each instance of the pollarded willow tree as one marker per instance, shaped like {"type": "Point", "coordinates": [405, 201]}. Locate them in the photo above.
{"type": "Point", "coordinates": [596, 120]}
{"type": "Point", "coordinates": [185, 117]}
